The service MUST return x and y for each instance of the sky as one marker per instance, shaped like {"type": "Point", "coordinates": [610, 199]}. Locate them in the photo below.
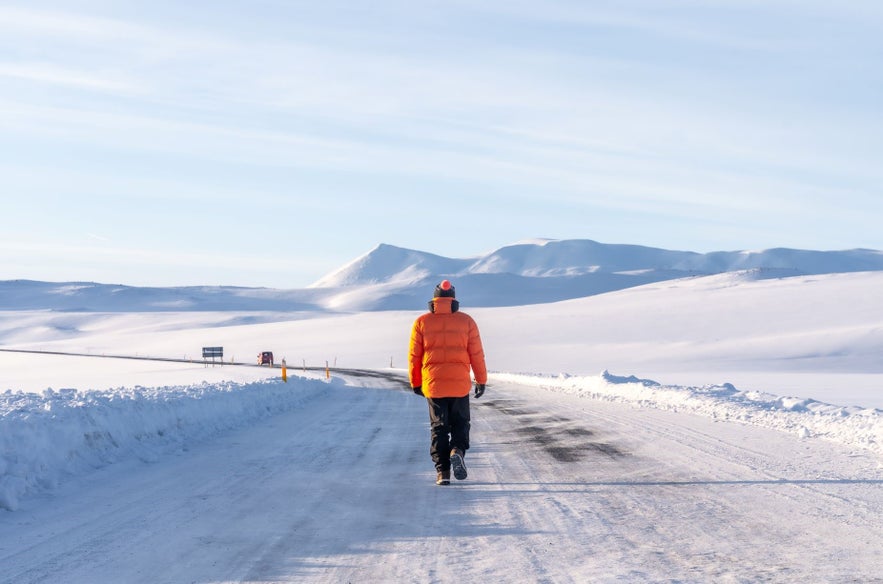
{"type": "Point", "coordinates": [269, 142]}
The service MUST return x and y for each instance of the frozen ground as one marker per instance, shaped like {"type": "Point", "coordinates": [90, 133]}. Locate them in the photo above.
{"type": "Point", "coordinates": [332, 483]}
{"type": "Point", "coordinates": [668, 466]}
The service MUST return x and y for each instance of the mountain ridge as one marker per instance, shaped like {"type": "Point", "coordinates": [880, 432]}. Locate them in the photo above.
{"type": "Point", "coordinates": [575, 257]}
{"type": "Point", "coordinates": [389, 277]}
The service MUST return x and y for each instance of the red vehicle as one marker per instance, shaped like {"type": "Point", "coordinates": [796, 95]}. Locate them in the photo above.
{"type": "Point", "coordinates": [266, 358]}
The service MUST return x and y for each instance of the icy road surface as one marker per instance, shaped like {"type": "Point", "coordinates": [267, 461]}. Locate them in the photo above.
{"type": "Point", "coordinates": [560, 489]}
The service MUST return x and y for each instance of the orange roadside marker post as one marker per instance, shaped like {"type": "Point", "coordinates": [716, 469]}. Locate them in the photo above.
{"type": "Point", "coordinates": [284, 371]}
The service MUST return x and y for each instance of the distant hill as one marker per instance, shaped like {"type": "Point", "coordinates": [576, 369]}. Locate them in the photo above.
{"type": "Point", "coordinates": [394, 278]}
{"type": "Point", "coordinates": [94, 297]}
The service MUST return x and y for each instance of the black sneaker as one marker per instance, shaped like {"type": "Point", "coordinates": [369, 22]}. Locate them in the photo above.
{"type": "Point", "coordinates": [443, 478]}
{"type": "Point", "coordinates": [458, 463]}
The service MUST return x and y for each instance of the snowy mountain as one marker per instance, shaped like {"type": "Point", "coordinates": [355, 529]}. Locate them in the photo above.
{"type": "Point", "coordinates": [388, 263]}
{"type": "Point", "coordinates": [580, 257]}
{"type": "Point", "coordinates": [394, 278]}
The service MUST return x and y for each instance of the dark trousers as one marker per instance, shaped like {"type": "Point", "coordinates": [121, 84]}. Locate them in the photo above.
{"type": "Point", "coordinates": [449, 428]}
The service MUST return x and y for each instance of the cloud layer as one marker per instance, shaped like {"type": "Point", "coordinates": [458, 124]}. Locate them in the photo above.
{"type": "Point", "coordinates": [732, 126]}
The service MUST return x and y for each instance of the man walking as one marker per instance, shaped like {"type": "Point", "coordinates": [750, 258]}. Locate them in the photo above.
{"type": "Point", "coordinates": [445, 345]}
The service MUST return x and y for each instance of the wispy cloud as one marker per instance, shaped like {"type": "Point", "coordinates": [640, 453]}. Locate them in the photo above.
{"type": "Point", "coordinates": [56, 75]}
{"type": "Point", "coordinates": [668, 108]}
{"type": "Point", "coordinates": [74, 26]}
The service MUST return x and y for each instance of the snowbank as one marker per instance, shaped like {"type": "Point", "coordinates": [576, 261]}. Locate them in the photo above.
{"type": "Point", "coordinates": [45, 436]}
{"type": "Point", "coordinates": [852, 426]}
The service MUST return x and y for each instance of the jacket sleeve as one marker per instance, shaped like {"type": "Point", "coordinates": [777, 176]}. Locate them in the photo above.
{"type": "Point", "coordinates": [476, 354]}
{"type": "Point", "coordinates": [415, 355]}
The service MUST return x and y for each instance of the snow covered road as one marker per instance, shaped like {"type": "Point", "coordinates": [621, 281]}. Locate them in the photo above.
{"type": "Point", "coordinates": [561, 489]}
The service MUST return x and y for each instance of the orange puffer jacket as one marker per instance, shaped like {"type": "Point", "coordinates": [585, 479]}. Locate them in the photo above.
{"type": "Point", "coordinates": [444, 345]}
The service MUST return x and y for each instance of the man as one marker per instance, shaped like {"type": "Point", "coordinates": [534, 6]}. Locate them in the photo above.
{"type": "Point", "coordinates": [445, 344]}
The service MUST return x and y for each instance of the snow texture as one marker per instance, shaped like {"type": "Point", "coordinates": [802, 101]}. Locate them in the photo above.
{"type": "Point", "coordinates": [47, 436]}
{"type": "Point", "coordinates": [724, 402]}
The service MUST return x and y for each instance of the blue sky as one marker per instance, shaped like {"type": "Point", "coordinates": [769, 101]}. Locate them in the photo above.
{"type": "Point", "coordinates": [268, 142]}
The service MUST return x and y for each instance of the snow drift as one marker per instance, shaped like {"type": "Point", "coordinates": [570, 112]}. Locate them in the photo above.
{"type": "Point", "coordinates": [46, 436]}
{"type": "Point", "coordinates": [853, 426]}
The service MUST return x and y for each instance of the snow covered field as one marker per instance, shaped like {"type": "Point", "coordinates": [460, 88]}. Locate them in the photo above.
{"type": "Point", "coordinates": [710, 429]}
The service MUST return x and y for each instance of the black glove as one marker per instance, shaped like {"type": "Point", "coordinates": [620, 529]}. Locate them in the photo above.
{"type": "Point", "coordinates": [418, 390]}
{"type": "Point", "coordinates": [479, 390]}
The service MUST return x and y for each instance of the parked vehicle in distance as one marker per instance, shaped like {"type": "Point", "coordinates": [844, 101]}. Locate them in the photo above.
{"type": "Point", "coordinates": [266, 358]}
